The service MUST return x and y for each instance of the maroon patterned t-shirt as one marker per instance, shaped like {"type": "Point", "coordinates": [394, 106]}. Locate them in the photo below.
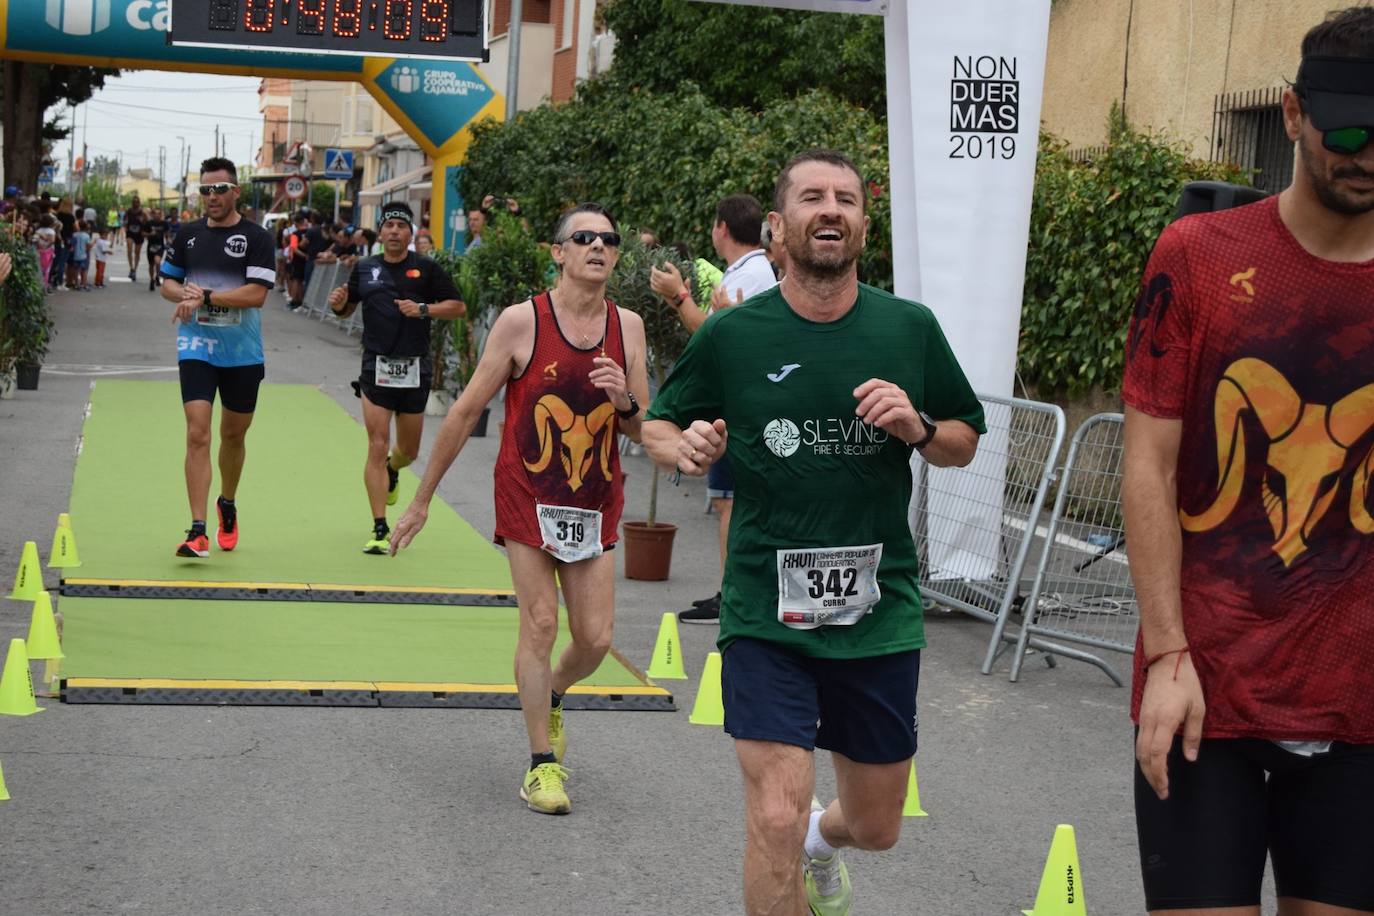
{"type": "Point", "coordinates": [1266, 353]}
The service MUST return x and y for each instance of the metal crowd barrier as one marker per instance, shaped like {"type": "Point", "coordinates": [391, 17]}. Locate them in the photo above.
{"type": "Point", "coordinates": [322, 280]}
{"type": "Point", "coordinates": [975, 527]}
{"type": "Point", "coordinates": [1083, 591]}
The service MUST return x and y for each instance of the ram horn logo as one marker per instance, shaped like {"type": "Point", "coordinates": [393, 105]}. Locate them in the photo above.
{"type": "Point", "coordinates": [577, 437]}
{"type": "Point", "coordinates": [1308, 445]}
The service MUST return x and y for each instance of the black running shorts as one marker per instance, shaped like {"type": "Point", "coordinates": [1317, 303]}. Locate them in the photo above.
{"type": "Point", "coordinates": [237, 385]}
{"type": "Point", "coordinates": [865, 707]}
{"type": "Point", "coordinates": [397, 400]}
{"type": "Point", "coordinates": [1244, 798]}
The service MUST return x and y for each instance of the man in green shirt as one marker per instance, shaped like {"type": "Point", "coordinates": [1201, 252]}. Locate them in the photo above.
{"type": "Point", "coordinates": [818, 390]}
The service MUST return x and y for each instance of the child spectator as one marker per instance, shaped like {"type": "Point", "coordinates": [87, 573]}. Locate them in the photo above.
{"type": "Point", "coordinates": [45, 240]}
{"type": "Point", "coordinates": [101, 252]}
{"type": "Point", "coordinates": [81, 253]}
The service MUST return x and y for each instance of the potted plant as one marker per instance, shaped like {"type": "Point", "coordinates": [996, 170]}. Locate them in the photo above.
{"type": "Point", "coordinates": [25, 323]}
{"type": "Point", "coordinates": [508, 267]}
{"type": "Point", "coordinates": [649, 544]}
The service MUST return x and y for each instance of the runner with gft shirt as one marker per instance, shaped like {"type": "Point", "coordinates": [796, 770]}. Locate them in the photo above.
{"type": "Point", "coordinates": [400, 293]}
{"type": "Point", "coordinates": [218, 271]}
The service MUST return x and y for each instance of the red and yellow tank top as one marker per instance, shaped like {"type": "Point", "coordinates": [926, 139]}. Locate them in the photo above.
{"type": "Point", "coordinates": [560, 448]}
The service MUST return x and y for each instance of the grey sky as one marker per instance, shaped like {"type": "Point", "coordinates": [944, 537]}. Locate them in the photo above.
{"type": "Point", "coordinates": [142, 110]}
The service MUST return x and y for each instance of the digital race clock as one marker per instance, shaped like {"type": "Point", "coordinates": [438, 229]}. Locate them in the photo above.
{"type": "Point", "coordinates": [453, 29]}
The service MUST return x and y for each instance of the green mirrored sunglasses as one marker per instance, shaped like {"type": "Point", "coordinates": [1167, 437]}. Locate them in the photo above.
{"type": "Point", "coordinates": [1347, 140]}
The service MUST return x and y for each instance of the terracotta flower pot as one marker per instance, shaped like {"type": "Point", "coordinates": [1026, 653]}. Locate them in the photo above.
{"type": "Point", "coordinates": [648, 550]}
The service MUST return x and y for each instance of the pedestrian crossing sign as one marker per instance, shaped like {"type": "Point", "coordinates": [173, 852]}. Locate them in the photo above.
{"type": "Point", "coordinates": [338, 163]}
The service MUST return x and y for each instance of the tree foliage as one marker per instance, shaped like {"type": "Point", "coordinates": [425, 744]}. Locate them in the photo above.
{"type": "Point", "coordinates": [1093, 225]}
{"type": "Point", "coordinates": [746, 56]}
{"type": "Point", "coordinates": [662, 161]}
{"type": "Point", "coordinates": [26, 93]}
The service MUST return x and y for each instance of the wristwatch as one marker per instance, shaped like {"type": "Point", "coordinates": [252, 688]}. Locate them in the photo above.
{"type": "Point", "coordinates": [424, 309]}
{"type": "Point", "coordinates": [205, 293]}
{"type": "Point", "coordinates": [634, 408]}
{"type": "Point", "coordinates": [930, 431]}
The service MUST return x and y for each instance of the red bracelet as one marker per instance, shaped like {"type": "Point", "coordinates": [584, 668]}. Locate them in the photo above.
{"type": "Point", "coordinates": [1150, 660]}
{"type": "Point", "coordinates": [680, 298]}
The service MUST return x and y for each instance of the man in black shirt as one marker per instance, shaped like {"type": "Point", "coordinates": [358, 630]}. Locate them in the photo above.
{"type": "Point", "coordinates": [155, 235]}
{"type": "Point", "coordinates": [134, 218]}
{"type": "Point", "coordinates": [400, 292]}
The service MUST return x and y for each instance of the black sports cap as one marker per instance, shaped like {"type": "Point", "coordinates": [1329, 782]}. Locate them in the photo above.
{"type": "Point", "coordinates": [1337, 91]}
{"type": "Point", "coordinates": [302, 214]}
{"type": "Point", "coordinates": [396, 210]}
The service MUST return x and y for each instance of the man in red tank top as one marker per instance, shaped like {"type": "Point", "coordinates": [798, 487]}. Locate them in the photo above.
{"type": "Point", "coordinates": [574, 370]}
{"type": "Point", "coordinates": [1249, 450]}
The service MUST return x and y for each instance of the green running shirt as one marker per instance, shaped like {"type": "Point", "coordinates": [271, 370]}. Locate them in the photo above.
{"type": "Point", "coordinates": [808, 472]}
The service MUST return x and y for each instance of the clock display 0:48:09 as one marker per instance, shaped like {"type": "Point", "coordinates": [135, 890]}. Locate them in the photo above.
{"type": "Point", "coordinates": [397, 20]}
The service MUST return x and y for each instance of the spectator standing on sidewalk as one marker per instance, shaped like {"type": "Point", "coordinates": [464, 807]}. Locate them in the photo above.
{"type": "Point", "coordinates": [735, 236]}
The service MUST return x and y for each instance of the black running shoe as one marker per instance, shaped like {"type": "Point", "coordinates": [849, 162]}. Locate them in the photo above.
{"type": "Point", "coordinates": [706, 612]}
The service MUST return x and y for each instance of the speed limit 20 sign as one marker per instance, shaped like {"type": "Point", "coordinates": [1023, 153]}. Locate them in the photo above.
{"type": "Point", "coordinates": [294, 187]}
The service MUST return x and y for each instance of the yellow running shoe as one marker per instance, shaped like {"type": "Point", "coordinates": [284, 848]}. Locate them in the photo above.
{"type": "Point", "coordinates": [377, 544]}
{"type": "Point", "coordinates": [393, 479]}
{"type": "Point", "coordinates": [542, 790]}
{"type": "Point", "coordinates": [827, 881]}
{"type": "Point", "coordinates": [558, 739]}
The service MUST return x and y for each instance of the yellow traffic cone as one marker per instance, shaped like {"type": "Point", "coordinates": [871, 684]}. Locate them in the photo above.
{"type": "Point", "coordinates": [4, 793]}
{"type": "Point", "coordinates": [16, 685]}
{"type": "Point", "coordinates": [28, 581]}
{"type": "Point", "coordinates": [912, 808]}
{"type": "Point", "coordinates": [1061, 885]}
{"type": "Point", "coordinates": [63, 554]}
{"type": "Point", "coordinates": [666, 665]}
{"type": "Point", "coordinates": [42, 641]}
{"type": "Point", "coordinates": [708, 709]}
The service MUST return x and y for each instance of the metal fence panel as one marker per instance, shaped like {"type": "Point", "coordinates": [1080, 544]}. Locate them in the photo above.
{"type": "Point", "coordinates": [973, 549]}
{"type": "Point", "coordinates": [1083, 591]}
{"type": "Point", "coordinates": [322, 279]}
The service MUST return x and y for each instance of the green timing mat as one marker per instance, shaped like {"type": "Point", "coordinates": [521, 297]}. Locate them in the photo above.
{"type": "Point", "coordinates": [325, 624]}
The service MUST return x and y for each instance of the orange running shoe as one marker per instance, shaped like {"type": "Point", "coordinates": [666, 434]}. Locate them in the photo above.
{"type": "Point", "coordinates": [227, 535]}
{"type": "Point", "coordinates": [195, 545]}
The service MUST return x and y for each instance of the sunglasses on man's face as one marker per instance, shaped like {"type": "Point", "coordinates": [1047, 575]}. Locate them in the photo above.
{"type": "Point", "coordinates": [219, 187]}
{"type": "Point", "coordinates": [1347, 140]}
{"type": "Point", "coordinates": [587, 236]}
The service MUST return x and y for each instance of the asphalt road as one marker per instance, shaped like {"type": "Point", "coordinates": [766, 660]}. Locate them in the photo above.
{"type": "Point", "coordinates": [203, 810]}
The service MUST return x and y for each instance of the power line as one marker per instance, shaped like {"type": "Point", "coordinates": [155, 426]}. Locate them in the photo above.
{"type": "Point", "coordinates": [259, 119]}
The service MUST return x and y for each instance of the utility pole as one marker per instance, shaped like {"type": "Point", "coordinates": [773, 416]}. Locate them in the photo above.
{"type": "Point", "coordinates": [513, 62]}
{"type": "Point", "coordinates": [216, 152]}
{"type": "Point", "coordinates": [71, 147]}
{"type": "Point", "coordinates": [161, 174]}
{"type": "Point", "coordinates": [181, 174]}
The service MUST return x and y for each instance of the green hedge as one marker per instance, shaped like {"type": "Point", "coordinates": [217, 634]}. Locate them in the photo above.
{"type": "Point", "coordinates": [1093, 225]}
{"type": "Point", "coordinates": [663, 161]}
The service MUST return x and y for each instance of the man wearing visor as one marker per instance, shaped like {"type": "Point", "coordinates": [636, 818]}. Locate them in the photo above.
{"type": "Point", "coordinates": [1249, 396]}
{"type": "Point", "coordinates": [400, 292]}
{"type": "Point", "coordinates": [218, 271]}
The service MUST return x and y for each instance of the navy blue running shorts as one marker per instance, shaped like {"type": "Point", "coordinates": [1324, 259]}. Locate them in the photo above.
{"type": "Point", "coordinates": [720, 479]}
{"type": "Point", "coordinates": [237, 385]}
{"type": "Point", "coordinates": [863, 708]}
{"type": "Point", "coordinates": [1244, 798]}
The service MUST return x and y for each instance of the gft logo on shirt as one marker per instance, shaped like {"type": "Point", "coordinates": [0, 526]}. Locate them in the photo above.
{"type": "Point", "coordinates": [236, 246]}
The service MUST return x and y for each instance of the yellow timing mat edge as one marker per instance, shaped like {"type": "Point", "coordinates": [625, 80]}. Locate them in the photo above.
{"type": "Point", "coordinates": [387, 686]}
{"type": "Point", "coordinates": [300, 586]}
